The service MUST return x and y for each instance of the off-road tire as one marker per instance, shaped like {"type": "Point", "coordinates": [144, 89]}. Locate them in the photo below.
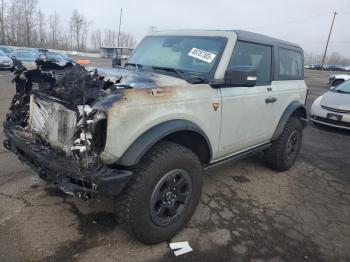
{"type": "Point", "coordinates": [276, 156]}
{"type": "Point", "coordinates": [132, 207]}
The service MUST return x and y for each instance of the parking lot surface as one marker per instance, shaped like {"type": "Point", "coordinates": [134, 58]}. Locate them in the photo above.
{"type": "Point", "coordinates": [247, 211]}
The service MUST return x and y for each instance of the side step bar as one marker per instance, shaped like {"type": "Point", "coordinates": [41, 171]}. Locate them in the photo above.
{"type": "Point", "coordinates": [238, 156]}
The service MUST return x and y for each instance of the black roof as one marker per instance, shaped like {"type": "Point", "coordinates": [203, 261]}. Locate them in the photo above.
{"type": "Point", "coordinates": [263, 39]}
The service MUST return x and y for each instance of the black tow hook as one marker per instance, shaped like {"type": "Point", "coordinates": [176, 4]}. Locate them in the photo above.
{"type": "Point", "coordinates": [72, 190]}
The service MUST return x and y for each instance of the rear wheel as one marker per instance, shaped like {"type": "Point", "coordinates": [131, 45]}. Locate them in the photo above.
{"type": "Point", "coordinates": [162, 195]}
{"type": "Point", "coordinates": [284, 151]}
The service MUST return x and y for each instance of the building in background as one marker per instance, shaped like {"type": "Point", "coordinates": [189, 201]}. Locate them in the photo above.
{"type": "Point", "coordinates": [119, 55]}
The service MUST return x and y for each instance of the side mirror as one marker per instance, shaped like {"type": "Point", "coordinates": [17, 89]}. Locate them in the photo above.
{"type": "Point", "coordinates": [241, 76]}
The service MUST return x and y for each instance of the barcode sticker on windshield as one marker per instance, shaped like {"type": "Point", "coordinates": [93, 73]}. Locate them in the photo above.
{"type": "Point", "coordinates": [202, 55]}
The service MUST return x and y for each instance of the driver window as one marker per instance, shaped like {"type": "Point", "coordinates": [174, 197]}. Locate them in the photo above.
{"type": "Point", "coordinates": [249, 54]}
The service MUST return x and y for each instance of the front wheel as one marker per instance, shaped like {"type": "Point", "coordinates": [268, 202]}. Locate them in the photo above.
{"type": "Point", "coordinates": [284, 151]}
{"type": "Point", "coordinates": [162, 195]}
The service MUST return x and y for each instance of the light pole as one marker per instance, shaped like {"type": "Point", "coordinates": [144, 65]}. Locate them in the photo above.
{"type": "Point", "coordinates": [120, 24]}
{"type": "Point", "coordinates": [329, 36]}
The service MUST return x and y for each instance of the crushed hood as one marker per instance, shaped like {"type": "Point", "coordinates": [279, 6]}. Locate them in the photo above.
{"type": "Point", "coordinates": [336, 100]}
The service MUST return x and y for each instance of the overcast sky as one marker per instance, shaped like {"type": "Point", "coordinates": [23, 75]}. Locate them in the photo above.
{"type": "Point", "coordinates": [305, 22]}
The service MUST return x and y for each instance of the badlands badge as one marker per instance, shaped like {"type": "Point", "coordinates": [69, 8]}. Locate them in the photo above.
{"type": "Point", "coordinates": [202, 55]}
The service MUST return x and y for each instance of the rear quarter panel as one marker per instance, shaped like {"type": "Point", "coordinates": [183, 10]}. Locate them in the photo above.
{"type": "Point", "coordinates": [286, 92]}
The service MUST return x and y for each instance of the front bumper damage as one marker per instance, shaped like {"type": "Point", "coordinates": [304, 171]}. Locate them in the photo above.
{"type": "Point", "coordinates": [63, 172]}
{"type": "Point", "coordinates": [39, 137]}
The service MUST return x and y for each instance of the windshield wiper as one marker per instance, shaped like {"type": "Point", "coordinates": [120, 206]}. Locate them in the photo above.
{"type": "Point", "coordinates": [170, 69]}
{"type": "Point", "coordinates": [188, 78]}
{"type": "Point", "coordinates": [197, 80]}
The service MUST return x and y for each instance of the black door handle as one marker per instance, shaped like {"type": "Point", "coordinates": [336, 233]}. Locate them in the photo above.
{"type": "Point", "coordinates": [270, 100]}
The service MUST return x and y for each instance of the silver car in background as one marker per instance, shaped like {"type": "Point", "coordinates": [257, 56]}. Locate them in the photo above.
{"type": "Point", "coordinates": [333, 107]}
{"type": "Point", "coordinates": [5, 61]}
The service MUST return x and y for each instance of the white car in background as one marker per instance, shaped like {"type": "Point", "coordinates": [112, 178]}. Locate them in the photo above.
{"type": "Point", "coordinates": [333, 107]}
{"type": "Point", "coordinates": [5, 61]}
{"type": "Point", "coordinates": [336, 80]}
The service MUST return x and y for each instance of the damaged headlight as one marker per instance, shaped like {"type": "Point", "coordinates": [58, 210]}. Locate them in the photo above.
{"type": "Point", "coordinates": [92, 128]}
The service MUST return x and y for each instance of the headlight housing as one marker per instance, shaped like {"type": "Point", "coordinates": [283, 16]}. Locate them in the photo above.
{"type": "Point", "coordinates": [317, 101]}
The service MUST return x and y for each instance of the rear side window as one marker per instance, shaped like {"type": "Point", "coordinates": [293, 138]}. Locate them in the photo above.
{"type": "Point", "coordinates": [290, 64]}
{"type": "Point", "coordinates": [251, 54]}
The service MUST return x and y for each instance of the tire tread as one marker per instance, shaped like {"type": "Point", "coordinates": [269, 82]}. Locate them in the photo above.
{"type": "Point", "coordinates": [125, 204]}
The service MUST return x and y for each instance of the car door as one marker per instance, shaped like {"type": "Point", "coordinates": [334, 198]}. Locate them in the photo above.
{"type": "Point", "coordinates": [247, 111]}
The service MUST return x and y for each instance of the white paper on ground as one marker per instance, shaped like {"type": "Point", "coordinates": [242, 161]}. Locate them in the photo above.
{"type": "Point", "coordinates": [181, 248]}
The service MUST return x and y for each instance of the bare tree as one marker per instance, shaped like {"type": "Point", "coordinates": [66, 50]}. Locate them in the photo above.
{"type": "Point", "coordinates": [41, 28]}
{"type": "Point", "coordinates": [96, 39]}
{"type": "Point", "coordinates": [336, 59]}
{"type": "Point", "coordinates": [110, 37]}
{"type": "Point", "coordinates": [79, 29]}
{"type": "Point", "coordinates": [28, 8]}
{"type": "Point", "coordinates": [2, 21]}
{"type": "Point", "coordinates": [54, 27]}
{"type": "Point", "coordinates": [22, 23]}
{"type": "Point", "coordinates": [12, 19]}
{"type": "Point", "coordinates": [126, 40]}
{"type": "Point", "coordinates": [65, 39]}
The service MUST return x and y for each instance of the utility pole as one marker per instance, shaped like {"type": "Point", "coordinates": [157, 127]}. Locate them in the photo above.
{"type": "Point", "coordinates": [120, 24]}
{"type": "Point", "coordinates": [329, 36]}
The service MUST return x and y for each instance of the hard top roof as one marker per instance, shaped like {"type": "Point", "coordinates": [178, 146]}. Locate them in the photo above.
{"type": "Point", "coordinates": [255, 37]}
{"type": "Point", "coordinates": [241, 35]}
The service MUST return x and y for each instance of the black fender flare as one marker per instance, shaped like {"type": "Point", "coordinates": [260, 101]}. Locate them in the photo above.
{"type": "Point", "coordinates": [144, 142]}
{"type": "Point", "coordinates": [288, 112]}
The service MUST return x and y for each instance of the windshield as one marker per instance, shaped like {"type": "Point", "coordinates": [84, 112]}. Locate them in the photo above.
{"type": "Point", "coordinates": [54, 55]}
{"type": "Point", "coordinates": [27, 54]}
{"type": "Point", "coordinates": [185, 53]}
{"type": "Point", "coordinates": [2, 53]}
{"type": "Point", "coordinates": [5, 49]}
{"type": "Point", "coordinates": [344, 87]}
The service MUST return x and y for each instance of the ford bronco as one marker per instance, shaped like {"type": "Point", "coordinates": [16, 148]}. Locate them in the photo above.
{"type": "Point", "coordinates": [142, 134]}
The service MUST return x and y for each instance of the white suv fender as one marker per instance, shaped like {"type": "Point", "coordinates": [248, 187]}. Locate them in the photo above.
{"type": "Point", "coordinates": [142, 144]}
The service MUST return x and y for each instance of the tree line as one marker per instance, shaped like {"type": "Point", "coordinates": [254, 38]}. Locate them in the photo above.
{"type": "Point", "coordinates": [22, 23]}
{"type": "Point", "coordinates": [332, 59]}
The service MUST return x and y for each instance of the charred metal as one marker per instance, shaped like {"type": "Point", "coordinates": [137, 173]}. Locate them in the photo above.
{"type": "Point", "coordinates": [57, 124]}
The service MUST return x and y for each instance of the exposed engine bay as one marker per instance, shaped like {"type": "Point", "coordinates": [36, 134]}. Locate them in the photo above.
{"type": "Point", "coordinates": [54, 126]}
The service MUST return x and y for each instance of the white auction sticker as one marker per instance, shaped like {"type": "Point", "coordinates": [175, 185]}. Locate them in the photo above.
{"type": "Point", "coordinates": [202, 55]}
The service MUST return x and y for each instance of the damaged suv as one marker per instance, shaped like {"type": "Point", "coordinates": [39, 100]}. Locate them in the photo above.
{"type": "Point", "coordinates": [143, 134]}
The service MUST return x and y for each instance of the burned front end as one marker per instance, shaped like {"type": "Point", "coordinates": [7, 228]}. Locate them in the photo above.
{"type": "Point", "coordinates": [54, 127]}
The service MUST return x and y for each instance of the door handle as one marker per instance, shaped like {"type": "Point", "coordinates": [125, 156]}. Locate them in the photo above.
{"type": "Point", "coordinates": [270, 99]}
